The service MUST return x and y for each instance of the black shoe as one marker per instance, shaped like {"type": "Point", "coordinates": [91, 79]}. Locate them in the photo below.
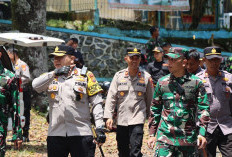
{"type": "Point", "coordinates": [26, 139]}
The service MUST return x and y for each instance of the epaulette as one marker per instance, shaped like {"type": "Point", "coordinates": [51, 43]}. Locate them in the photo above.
{"type": "Point", "coordinates": [43, 74]}
{"type": "Point", "coordinates": [165, 78]}
{"type": "Point", "coordinates": [200, 73]}
{"type": "Point", "coordinates": [84, 71]}
{"type": "Point", "coordinates": [226, 72]}
{"type": "Point", "coordinates": [122, 71]}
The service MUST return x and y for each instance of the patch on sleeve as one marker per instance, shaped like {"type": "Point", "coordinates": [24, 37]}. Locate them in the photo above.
{"type": "Point", "coordinates": [151, 81]}
{"type": "Point", "coordinates": [24, 67]}
{"type": "Point", "coordinates": [92, 87]}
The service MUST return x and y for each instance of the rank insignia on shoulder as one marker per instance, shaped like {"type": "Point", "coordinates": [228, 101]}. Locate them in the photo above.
{"type": "Point", "coordinates": [122, 93]}
{"type": "Point", "coordinates": [151, 81]}
{"type": "Point", "coordinates": [53, 95]}
{"type": "Point", "coordinates": [126, 73]}
{"type": "Point", "coordinates": [75, 72]}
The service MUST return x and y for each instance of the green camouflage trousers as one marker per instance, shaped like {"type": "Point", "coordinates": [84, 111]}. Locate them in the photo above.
{"type": "Point", "coordinates": [3, 133]}
{"type": "Point", "coordinates": [165, 150]}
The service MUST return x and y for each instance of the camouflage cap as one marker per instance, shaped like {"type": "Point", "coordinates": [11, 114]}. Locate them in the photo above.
{"type": "Point", "coordinates": [176, 52]}
{"type": "Point", "coordinates": [133, 52]}
{"type": "Point", "coordinates": [157, 49]}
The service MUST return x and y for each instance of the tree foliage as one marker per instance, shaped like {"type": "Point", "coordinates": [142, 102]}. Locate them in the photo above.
{"type": "Point", "coordinates": [197, 9]}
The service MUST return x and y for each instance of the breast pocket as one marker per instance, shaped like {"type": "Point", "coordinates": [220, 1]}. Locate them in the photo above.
{"type": "Point", "coordinates": [209, 94]}
{"type": "Point", "coordinates": [139, 92]}
{"type": "Point", "coordinates": [122, 92]}
{"type": "Point", "coordinates": [226, 91]}
{"type": "Point", "coordinates": [168, 101]}
{"type": "Point", "coordinates": [53, 95]}
{"type": "Point", "coordinates": [190, 95]}
{"type": "Point", "coordinates": [79, 93]}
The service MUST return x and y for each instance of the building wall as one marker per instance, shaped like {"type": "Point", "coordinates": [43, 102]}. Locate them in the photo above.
{"type": "Point", "coordinates": [87, 6]}
{"type": "Point", "coordinates": [104, 57]}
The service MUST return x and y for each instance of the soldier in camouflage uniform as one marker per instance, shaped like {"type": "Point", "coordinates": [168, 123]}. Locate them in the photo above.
{"type": "Point", "coordinates": [22, 71]}
{"type": "Point", "coordinates": [9, 103]}
{"type": "Point", "coordinates": [177, 99]}
{"type": "Point", "coordinates": [154, 41]}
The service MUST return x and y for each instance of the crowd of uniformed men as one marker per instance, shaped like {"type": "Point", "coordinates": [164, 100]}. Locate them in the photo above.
{"type": "Point", "coordinates": [184, 94]}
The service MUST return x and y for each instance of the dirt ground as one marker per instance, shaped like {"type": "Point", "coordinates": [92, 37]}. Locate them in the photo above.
{"type": "Point", "coordinates": [37, 147]}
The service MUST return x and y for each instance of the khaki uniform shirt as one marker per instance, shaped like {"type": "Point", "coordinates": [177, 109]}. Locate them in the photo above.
{"type": "Point", "coordinates": [68, 115]}
{"type": "Point", "coordinates": [219, 95]}
{"type": "Point", "coordinates": [22, 70]}
{"type": "Point", "coordinates": [132, 96]}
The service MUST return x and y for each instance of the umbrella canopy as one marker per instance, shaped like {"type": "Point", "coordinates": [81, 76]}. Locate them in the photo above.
{"type": "Point", "coordinates": [29, 40]}
{"type": "Point", "coordinates": [5, 60]}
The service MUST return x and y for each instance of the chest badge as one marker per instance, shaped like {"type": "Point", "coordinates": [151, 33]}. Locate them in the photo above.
{"type": "Point", "coordinates": [53, 96]}
{"type": "Point", "coordinates": [139, 93]}
{"type": "Point", "coordinates": [54, 87]}
{"type": "Point", "coordinates": [122, 93]}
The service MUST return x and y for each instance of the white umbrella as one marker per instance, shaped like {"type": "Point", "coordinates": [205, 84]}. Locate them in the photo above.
{"type": "Point", "coordinates": [29, 40]}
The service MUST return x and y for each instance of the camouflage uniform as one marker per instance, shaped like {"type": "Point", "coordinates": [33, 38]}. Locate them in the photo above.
{"type": "Point", "coordinates": [22, 71]}
{"type": "Point", "coordinates": [8, 103]}
{"type": "Point", "coordinates": [176, 102]}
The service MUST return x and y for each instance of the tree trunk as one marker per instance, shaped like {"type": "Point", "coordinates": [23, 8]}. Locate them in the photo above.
{"type": "Point", "coordinates": [30, 16]}
{"type": "Point", "coordinates": [198, 9]}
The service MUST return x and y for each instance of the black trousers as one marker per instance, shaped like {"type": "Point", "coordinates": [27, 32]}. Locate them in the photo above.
{"type": "Point", "coordinates": [129, 140]}
{"type": "Point", "coordinates": [224, 143]}
{"type": "Point", "coordinates": [27, 108]}
{"type": "Point", "coordinates": [77, 146]}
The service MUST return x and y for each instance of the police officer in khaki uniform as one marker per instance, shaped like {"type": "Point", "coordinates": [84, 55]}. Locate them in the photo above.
{"type": "Point", "coordinates": [70, 95]}
{"type": "Point", "coordinates": [131, 90]}
{"type": "Point", "coordinates": [218, 85]}
{"type": "Point", "coordinates": [22, 71]}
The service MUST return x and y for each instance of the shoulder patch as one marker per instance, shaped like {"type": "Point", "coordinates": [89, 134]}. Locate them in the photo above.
{"type": "Point", "coordinates": [24, 67]}
{"type": "Point", "coordinates": [92, 86]}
